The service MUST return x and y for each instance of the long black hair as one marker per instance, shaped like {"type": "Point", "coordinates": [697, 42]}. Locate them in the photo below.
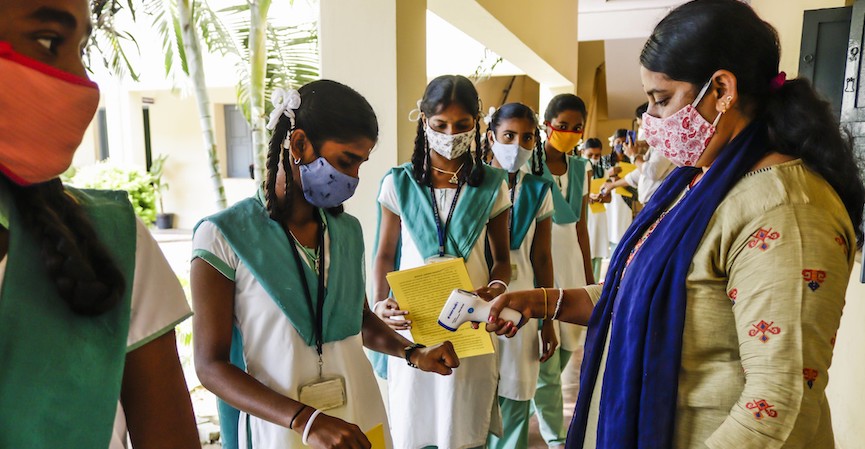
{"type": "Point", "coordinates": [328, 111]}
{"type": "Point", "coordinates": [440, 93]}
{"type": "Point", "coordinates": [511, 111]}
{"type": "Point", "coordinates": [84, 273]}
{"type": "Point", "coordinates": [703, 36]}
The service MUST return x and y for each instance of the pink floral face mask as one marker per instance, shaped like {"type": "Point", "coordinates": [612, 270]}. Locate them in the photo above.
{"type": "Point", "coordinates": [682, 137]}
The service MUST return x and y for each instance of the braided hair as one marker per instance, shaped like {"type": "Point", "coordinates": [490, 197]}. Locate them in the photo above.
{"type": "Point", "coordinates": [83, 271]}
{"type": "Point", "coordinates": [519, 111]}
{"type": "Point", "coordinates": [328, 111]}
{"type": "Point", "coordinates": [440, 93]}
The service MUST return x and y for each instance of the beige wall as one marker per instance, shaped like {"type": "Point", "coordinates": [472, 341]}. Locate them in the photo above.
{"type": "Point", "coordinates": [549, 28]}
{"type": "Point", "coordinates": [786, 16]}
{"type": "Point", "coordinates": [591, 56]}
{"type": "Point", "coordinates": [524, 90]}
{"type": "Point", "coordinates": [175, 131]}
{"type": "Point", "coordinates": [846, 391]}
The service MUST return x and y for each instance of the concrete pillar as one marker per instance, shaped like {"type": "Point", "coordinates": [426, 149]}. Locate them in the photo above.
{"type": "Point", "coordinates": [378, 47]}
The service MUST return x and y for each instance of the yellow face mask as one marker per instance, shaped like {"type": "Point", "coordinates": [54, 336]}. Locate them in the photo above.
{"type": "Point", "coordinates": [565, 141]}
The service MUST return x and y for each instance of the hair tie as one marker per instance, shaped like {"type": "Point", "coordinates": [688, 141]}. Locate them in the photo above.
{"type": "Point", "coordinates": [489, 117]}
{"type": "Point", "coordinates": [284, 103]}
{"type": "Point", "coordinates": [415, 113]}
{"type": "Point", "coordinates": [778, 81]}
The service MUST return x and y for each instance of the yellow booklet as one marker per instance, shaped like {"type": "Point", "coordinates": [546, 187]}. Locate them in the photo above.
{"type": "Point", "coordinates": [376, 437]}
{"type": "Point", "coordinates": [626, 168]}
{"type": "Point", "coordinates": [595, 187]}
{"type": "Point", "coordinates": [423, 291]}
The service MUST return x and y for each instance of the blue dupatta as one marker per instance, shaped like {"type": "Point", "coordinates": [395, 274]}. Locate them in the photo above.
{"type": "Point", "coordinates": [640, 384]}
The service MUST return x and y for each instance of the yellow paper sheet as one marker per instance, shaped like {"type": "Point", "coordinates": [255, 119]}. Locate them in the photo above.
{"type": "Point", "coordinates": [595, 187]}
{"type": "Point", "coordinates": [423, 291]}
{"type": "Point", "coordinates": [376, 437]}
{"type": "Point", "coordinates": [626, 168]}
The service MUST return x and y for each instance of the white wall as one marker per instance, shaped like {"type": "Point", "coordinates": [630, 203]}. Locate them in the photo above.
{"type": "Point", "coordinates": [846, 391]}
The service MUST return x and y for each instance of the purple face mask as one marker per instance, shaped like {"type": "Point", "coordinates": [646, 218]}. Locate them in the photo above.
{"type": "Point", "coordinates": [324, 186]}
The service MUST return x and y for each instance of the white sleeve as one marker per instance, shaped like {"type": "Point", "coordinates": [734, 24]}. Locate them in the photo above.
{"type": "Point", "coordinates": [633, 178]}
{"type": "Point", "coordinates": [387, 194]}
{"type": "Point", "coordinates": [158, 301]}
{"type": "Point", "coordinates": [503, 200]}
{"type": "Point", "coordinates": [546, 210]}
{"type": "Point", "coordinates": [210, 245]}
{"type": "Point", "coordinates": [656, 166]}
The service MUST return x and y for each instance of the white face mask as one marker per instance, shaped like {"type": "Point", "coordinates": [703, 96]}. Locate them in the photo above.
{"type": "Point", "coordinates": [511, 156]}
{"type": "Point", "coordinates": [450, 146]}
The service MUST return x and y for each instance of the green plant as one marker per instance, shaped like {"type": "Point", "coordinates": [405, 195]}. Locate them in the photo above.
{"type": "Point", "coordinates": [106, 175]}
{"type": "Point", "coordinates": [157, 169]}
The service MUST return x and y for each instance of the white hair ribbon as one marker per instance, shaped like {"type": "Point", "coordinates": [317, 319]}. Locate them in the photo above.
{"type": "Point", "coordinates": [415, 113]}
{"type": "Point", "coordinates": [489, 117]}
{"type": "Point", "coordinates": [284, 103]}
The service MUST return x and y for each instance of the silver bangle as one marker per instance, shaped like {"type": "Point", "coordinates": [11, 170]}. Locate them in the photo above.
{"type": "Point", "coordinates": [308, 427]}
{"type": "Point", "coordinates": [497, 281]}
{"type": "Point", "coordinates": [559, 304]}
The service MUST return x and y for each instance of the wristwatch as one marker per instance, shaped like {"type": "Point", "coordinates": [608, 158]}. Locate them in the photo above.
{"type": "Point", "coordinates": [409, 350]}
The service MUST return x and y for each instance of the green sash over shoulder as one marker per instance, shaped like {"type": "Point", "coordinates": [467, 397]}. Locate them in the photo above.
{"type": "Point", "coordinates": [264, 249]}
{"type": "Point", "coordinates": [533, 189]}
{"type": "Point", "coordinates": [569, 206]}
{"type": "Point", "coordinates": [469, 218]}
{"type": "Point", "coordinates": [61, 372]}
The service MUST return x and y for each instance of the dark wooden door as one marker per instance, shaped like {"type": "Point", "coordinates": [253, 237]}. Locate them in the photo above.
{"type": "Point", "coordinates": [824, 51]}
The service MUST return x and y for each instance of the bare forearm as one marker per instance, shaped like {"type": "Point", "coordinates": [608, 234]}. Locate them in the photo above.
{"type": "Point", "coordinates": [379, 337]}
{"type": "Point", "coordinates": [246, 393]}
{"type": "Point", "coordinates": [381, 288]}
{"type": "Point", "coordinates": [585, 249]}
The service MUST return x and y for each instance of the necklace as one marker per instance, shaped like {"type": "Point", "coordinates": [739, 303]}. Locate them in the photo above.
{"type": "Point", "coordinates": [315, 256]}
{"type": "Point", "coordinates": [454, 179]}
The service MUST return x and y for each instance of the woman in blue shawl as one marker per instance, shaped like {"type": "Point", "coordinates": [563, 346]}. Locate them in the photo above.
{"type": "Point", "coordinates": [716, 321]}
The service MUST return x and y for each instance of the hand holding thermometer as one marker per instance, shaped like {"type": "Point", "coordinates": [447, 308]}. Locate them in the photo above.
{"type": "Point", "coordinates": [463, 306]}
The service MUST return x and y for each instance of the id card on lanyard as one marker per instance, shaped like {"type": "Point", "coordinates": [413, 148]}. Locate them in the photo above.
{"type": "Point", "coordinates": [327, 391]}
{"type": "Point", "coordinates": [442, 228]}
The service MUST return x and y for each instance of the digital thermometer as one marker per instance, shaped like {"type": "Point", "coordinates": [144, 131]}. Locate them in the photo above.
{"type": "Point", "coordinates": [463, 306]}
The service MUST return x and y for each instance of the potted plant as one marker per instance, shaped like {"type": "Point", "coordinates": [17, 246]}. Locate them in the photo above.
{"type": "Point", "coordinates": [107, 175]}
{"type": "Point", "coordinates": [157, 169]}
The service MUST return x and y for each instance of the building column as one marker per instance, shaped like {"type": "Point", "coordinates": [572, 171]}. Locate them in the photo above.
{"type": "Point", "coordinates": [377, 47]}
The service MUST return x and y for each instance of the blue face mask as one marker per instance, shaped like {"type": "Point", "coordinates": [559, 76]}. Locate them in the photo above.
{"type": "Point", "coordinates": [324, 186]}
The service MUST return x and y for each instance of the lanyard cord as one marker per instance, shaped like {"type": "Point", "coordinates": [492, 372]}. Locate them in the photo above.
{"type": "Point", "coordinates": [442, 230]}
{"type": "Point", "coordinates": [317, 311]}
{"type": "Point", "coordinates": [513, 206]}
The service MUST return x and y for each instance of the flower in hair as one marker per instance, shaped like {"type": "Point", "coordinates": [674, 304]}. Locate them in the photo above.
{"type": "Point", "coordinates": [489, 117]}
{"type": "Point", "coordinates": [284, 103]}
{"type": "Point", "coordinates": [778, 81]}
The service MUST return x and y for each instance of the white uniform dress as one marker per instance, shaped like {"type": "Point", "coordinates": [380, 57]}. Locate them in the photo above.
{"type": "Point", "coordinates": [426, 409]}
{"type": "Point", "coordinates": [519, 356]}
{"type": "Point", "coordinates": [277, 356]}
{"type": "Point", "coordinates": [599, 234]}
{"type": "Point", "coordinates": [620, 218]}
{"type": "Point", "coordinates": [568, 264]}
{"type": "Point", "coordinates": [158, 304]}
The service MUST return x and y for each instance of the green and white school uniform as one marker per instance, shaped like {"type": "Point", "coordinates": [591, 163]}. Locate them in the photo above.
{"type": "Point", "coordinates": [519, 356]}
{"type": "Point", "coordinates": [274, 338]}
{"type": "Point", "coordinates": [456, 411]}
{"type": "Point", "coordinates": [569, 272]}
{"type": "Point", "coordinates": [62, 372]}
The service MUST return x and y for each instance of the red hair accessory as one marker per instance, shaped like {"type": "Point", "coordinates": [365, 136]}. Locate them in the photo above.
{"type": "Point", "coordinates": [777, 81]}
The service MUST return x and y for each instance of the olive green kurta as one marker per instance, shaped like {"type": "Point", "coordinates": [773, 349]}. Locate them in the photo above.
{"type": "Point", "coordinates": [765, 294]}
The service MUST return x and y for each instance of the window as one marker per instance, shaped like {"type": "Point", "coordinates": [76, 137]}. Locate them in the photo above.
{"type": "Point", "coordinates": [238, 139]}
